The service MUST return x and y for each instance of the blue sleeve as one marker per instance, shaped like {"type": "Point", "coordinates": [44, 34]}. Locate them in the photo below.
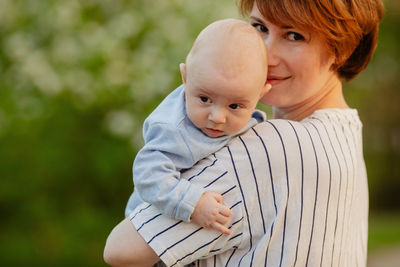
{"type": "Point", "coordinates": [156, 172]}
{"type": "Point", "coordinates": [259, 116]}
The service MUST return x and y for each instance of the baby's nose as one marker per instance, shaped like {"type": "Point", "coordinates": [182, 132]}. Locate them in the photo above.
{"type": "Point", "coordinates": [217, 116]}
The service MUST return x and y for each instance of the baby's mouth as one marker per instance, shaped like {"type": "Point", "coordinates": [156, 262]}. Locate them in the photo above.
{"type": "Point", "coordinates": [214, 130]}
{"type": "Point", "coordinates": [211, 132]}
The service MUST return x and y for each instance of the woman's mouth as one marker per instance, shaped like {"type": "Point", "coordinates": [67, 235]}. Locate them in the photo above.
{"type": "Point", "coordinates": [274, 80]}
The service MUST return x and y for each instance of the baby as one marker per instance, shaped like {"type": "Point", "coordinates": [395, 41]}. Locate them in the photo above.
{"type": "Point", "coordinates": [223, 79]}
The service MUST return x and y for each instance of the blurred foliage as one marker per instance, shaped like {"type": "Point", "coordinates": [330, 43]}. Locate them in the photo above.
{"type": "Point", "coordinates": [77, 79]}
{"type": "Point", "coordinates": [376, 94]}
{"type": "Point", "coordinates": [384, 230]}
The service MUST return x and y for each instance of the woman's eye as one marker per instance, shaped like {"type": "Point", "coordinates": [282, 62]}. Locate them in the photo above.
{"type": "Point", "coordinates": [294, 36]}
{"type": "Point", "coordinates": [234, 106]}
{"type": "Point", "coordinates": [259, 27]}
{"type": "Point", "coordinates": [205, 99]}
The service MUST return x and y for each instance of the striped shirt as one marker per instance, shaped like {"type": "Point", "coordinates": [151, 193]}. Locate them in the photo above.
{"type": "Point", "coordinates": [298, 194]}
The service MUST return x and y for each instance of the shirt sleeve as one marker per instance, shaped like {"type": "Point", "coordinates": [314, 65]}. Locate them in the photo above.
{"type": "Point", "coordinates": [177, 242]}
{"type": "Point", "coordinates": [259, 115]}
{"type": "Point", "coordinates": [156, 173]}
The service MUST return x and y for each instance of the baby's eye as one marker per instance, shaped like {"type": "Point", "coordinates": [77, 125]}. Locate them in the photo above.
{"type": "Point", "coordinates": [205, 99]}
{"type": "Point", "coordinates": [294, 36]}
{"type": "Point", "coordinates": [234, 106]}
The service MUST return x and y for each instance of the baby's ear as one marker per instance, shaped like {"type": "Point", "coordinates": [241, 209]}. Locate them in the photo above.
{"type": "Point", "coordinates": [267, 87]}
{"type": "Point", "coordinates": [182, 68]}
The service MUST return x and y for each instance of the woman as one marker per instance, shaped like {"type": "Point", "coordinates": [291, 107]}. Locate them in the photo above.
{"type": "Point", "coordinates": [296, 185]}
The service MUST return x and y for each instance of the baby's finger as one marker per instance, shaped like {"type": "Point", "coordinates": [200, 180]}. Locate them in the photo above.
{"type": "Point", "coordinates": [225, 211]}
{"type": "Point", "coordinates": [222, 219]}
{"type": "Point", "coordinates": [221, 228]}
{"type": "Point", "coordinates": [217, 197]}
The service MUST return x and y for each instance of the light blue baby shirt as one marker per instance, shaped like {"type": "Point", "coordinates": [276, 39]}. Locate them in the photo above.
{"type": "Point", "coordinates": [172, 144]}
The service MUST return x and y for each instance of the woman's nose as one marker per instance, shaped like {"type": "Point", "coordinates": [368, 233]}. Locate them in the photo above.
{"type": "Point", "coordinates": [217, 116]}
{"type": "Point", "coordinates": [273, 51]}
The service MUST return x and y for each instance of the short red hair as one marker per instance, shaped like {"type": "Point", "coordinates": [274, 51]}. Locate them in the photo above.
{"type": "Point", "coordinates": [349, 27]}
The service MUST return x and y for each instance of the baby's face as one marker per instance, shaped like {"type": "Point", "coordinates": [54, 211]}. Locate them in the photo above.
{"type": "Point", "coordinates": [218, 104]}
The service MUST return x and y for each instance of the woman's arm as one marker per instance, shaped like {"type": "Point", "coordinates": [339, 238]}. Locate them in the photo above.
{"type": "Point", "coordinates": [177, 242]}
{"type": "Point", "coordinates": [125, 247]}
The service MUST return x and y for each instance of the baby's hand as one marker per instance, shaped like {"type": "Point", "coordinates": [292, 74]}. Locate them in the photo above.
{"type": "Point", "coordinates": [211, 213]}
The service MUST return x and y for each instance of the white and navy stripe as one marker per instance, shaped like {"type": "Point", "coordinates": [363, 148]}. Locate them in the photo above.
{"type": "Point", "coordinates": [298, 193]}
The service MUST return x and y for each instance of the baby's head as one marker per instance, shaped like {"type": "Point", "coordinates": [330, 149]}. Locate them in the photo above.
{"type": "Point", "coordinates": [224, 77]}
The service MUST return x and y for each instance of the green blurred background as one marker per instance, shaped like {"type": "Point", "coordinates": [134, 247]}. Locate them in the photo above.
{"type": "Point", "coordinates": [77, 79]}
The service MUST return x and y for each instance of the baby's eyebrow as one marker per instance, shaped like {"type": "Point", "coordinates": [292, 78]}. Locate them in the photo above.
{"type": "Point", "coordinates": [204, 91]}
{"type": "Point", "coordinates": [240, 101]}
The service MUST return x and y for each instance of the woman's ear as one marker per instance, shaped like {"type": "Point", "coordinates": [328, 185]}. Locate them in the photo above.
{"type": "Point", "coordinates": [182, 68]}
{"type": "Point", "coordinates": [332, 62]}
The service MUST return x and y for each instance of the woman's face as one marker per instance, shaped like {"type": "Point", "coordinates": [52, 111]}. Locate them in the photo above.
{"type": "Point", "coordinates": [298, 64]}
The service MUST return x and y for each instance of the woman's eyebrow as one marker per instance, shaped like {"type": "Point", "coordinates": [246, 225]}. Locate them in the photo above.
{"type": "Point", "coordinates": [257, 19]}
{"type": "Point", "coordinates": [285, 27]}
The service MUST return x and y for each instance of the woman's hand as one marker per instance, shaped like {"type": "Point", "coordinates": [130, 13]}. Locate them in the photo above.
{"type": "Point", "coordinates": [211, 213]}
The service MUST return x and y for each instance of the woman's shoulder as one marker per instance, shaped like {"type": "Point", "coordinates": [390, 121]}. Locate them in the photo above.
{"type": "Point", "coordinates": [347, 116]}
{"type": "Point", "coordinates": [278, 133]}
{"type": "Point", "coordinates": [332, 116]}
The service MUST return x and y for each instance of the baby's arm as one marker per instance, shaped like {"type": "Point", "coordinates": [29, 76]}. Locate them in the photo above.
{"type": "Point", "coordinates": [157, 180]}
